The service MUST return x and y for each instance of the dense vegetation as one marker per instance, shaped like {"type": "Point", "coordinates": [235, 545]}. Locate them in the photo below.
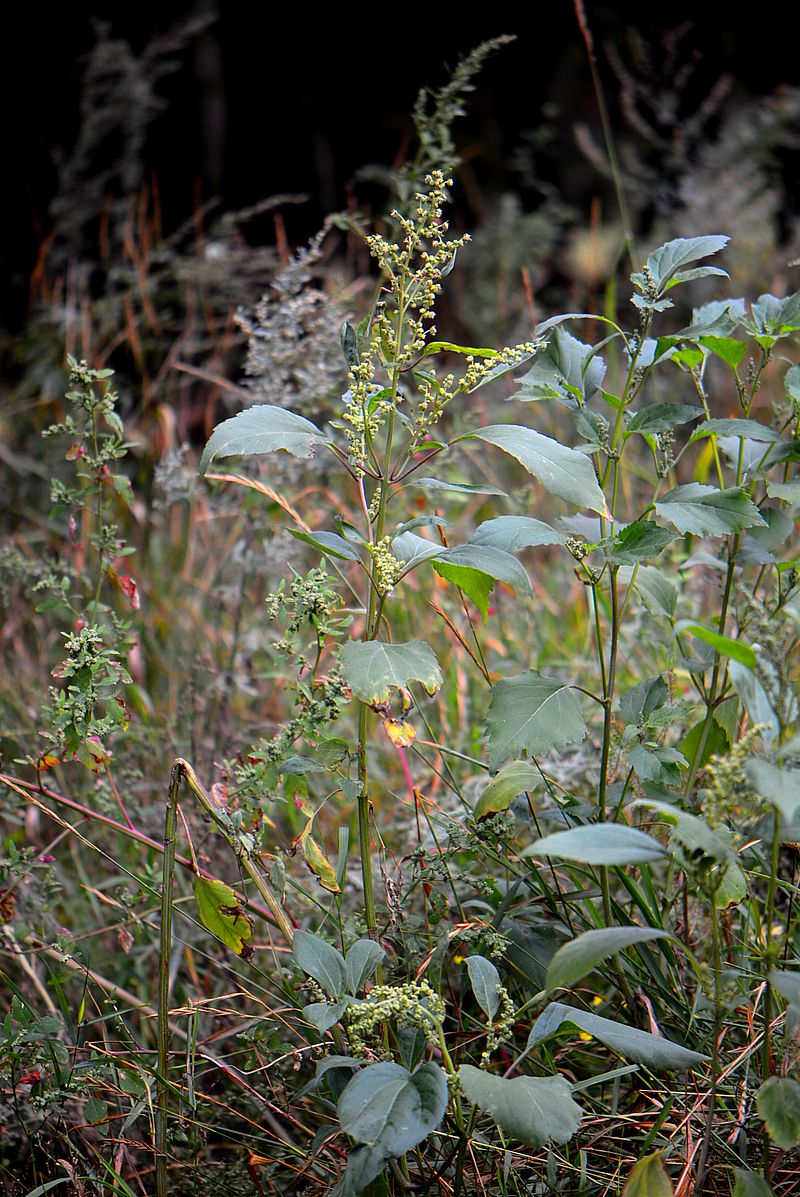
{"type": "Point", "coordinates": [401, 745]}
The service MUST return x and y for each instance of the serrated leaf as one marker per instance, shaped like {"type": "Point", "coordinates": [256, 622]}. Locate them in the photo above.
{"type": "Point", "coordinates": [391, 1109]}
{"type": "Point", "coordinates": [533, 1110]}
{"type": "Point", "coordinates": [751, 429]}
{"type": "Point", "coordinates": [706, 511]}
{"type": "Point", "coordinates": [648, 1178]}
{"type": "Point", "coordinates": [485, 981]}
{"type": "Point", "coordinates": [660, 417]}
{"type": "Point", "coordinates": [581, 956]}
{"type": "Point", "coordinates": [262, 429]}
{"type": "Point", "coordinates": [372, 668]}
{"type": "Point", "coordinates": [486, 559]}
{"type": "Point", "coordinates": [599, 844]}
{"type": "Point", "coordinates": [629, 1042]}
{"type": "Point", "coordinates": [515, 532]}
{"type": "Point", "coordinates": [220, 911]}
{"type": "Point", "coordinates": [321, 961]}
{"type": "Point", "coordinates": [328, 543]}
{"type": "Point", "coordinates": [640, 541]}
{"type": "Point", "coordinates": [361, 961]}
{"type": "Point", "coordinates": [727, 348]}
{"type": "Point", "coordinates": [531, 713]}
{"type": "Point", "coordinates": [669, 259]}
{"type": "Point", "coordinates": [751, 1184]}
{"type": "Point", "coordinates": [512, 780]}
{"type": "Point", "coordinates": [562, 471]}
{"type": "Point", "coordinates": [778, 1104]}
{"type": "Point", "coordinates": [779, 785]}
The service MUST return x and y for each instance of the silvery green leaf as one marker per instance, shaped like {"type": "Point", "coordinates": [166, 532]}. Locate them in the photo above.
{"type": "Point", "coordinates": [533, 1110]}
{"type": "Point", "coordinates": [515, 532]}
{"type": "Point", "coordinates": [262, 429]}
{"type": "Point", "coordinates": [372, 668]}
{"type": "Point", "coordinates": [629, 1042]}
{"type": "Point", "coordinates": [531, 713]}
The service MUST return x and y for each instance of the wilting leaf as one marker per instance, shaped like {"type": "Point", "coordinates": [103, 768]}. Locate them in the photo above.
{"type": "Point", "coordinates": [372, 668]}
{"type": "Point", "coordinates": [220, 911]}
{"type": "Point", "coordinates": [648, 1178]}
{"type": "Point", "coordinates": [512, 780]}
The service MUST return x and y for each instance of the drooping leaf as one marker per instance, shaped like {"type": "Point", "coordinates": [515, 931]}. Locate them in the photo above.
{"type": "Point", "coordinates": [667, 263]}
{"type": "Point", "coordinates": [372, 668]}
{"type": "Point", "coordinates": [581, 956]}
{"type": "Point", "coordinates": [318, 863]}
{"type": "Point", "coordinates": [599, 844]}
{"type": "Point", "coordinates": [321, 961]}
{"type": "Point", "coordinates": [391, 1109]}
{"type": "Point", "coordinates": [531, 713]}
{"type": "Point", "coordinates": [460, 563]}
{"type": "Point", "coordinates": [329, 543]}
{"type": "Point", "coordinates": [475, 584]}
{"type": "Point", "coordinates": [778, 1104]}
{"type": "Point", "coordinates": [660, 417]}
{"type": "Point", "coordinates": [658, 592]}
{"type": "Point", "coordinates": [361, 961]}
{"type": "Point", "coordinates": [534, 1110]}
{"type": "Point", "coordinates": [707, 511]}
{"type": "Point", "coordinates": [648, 1178]}
{"type": "Point", "coordinates": [324, 1015]}
{"type": "Point", "coordinates": [220, 911]}
{"type": "Point", "coordinates": [562, 471]}
{"type": "Point", "coordinates": [645, 1048]}
{"type": "Point", "coordinates": [565, 368]}
{"type": "Point", "coordinates": [512, 780]}
{"type": "Point", "coordinates": [262, 429]}
{"type": "Point", "coordinates": [751, 1184]}
{"type": "Point", "coordinates": [779, 785]}
{"type": "Point", "coordinates": [726, 646]}
{"type": "Point", "coordinates": [751, 429]}
{"type": "Point", "coordinates": [515, 532]}
{"type": "Point", "coordinates": [640, 541]}
{"type": "Point", "coordinates": [485, 981]}
{"type": "Point", "coordinates": [727, 348]}
{"type": "Point", "coordinates": [458, 488]}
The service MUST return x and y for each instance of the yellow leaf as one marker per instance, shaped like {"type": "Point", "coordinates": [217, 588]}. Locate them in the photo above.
{"type": "Point", "coordinates": [401, 734]}
{"type": "Point", "coordinates": [221, 913]}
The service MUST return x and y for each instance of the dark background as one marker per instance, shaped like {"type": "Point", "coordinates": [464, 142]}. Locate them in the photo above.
{"type": "Point", "coordinates": [273, 98]}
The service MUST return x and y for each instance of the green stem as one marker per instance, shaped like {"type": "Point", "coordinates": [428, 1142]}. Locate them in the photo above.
{"type": "Point", "coordinates": [165, 949]}
{"type": "Point", "coordinates": [716, 966]}
{"type": "Point", "coordinates": [769, 917]}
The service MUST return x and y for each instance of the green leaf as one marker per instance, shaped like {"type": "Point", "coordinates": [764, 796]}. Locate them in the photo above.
{"type": "Point", "coordinates": [515, 532]}
{"type": "Point", "coordinates": [320, 960]}
{"type": "Point", "coordinates": [512, 780]}
{"type": "Point", "coordinates": [735, 650]}
{"type": "Point", "coordinates": [562, 471]}
{"type": "Point", "coordinates": [707, 511]}
{"type": "Point", "coordinates": [702, 843]}
{"type": "Point", "coordinates": [659, 594]}
{"type": "Point", "coordinates": [576, 959]}
{"type": "Point", "coordinates": [459, 488]}
{"type": "Point", "coordinates": [497, 563]}
{"type": "Point", "coordinates": [788, 491]}
{"type": "Point", "coordinates": [565, 369]}
{"type": "Point", "coordinates": [751, 1184]}
{"type": "Point", "coordinates": [534, 1110]}
{"type": "Point", "coordinates": [95, 1110]}
{"type": "Point", "coordinates": [629, 1042]}
{"type": "Point", "coordinates": [372, 668]}
{"type": "Point", "coordinates": [779, 785]}
{"type": "Point", "coordinates": [388, 1108]}
{"type": "Point", "coordinates": [666, 264]}
{"type": "Point", "coordinates": [262, 429]}
{"type": "Point", "coordinates": [788, 986]}
{"type": "Point", "coordinates": [449, 347]}
{"type": "Point", "coordinates": [660, 417]}
{"type": "Point", "coordinates": [324, 1015]}
{"type": "Point", "coordinates": [778, 1104]}
{"type": "Point", "coordinates": [531, 713]}
{"type": "Point", "coordinates": [599, 844]}
{"type": "Point", "coordinates": [639, 541]}
{"type": "Point", "coordinates": [755, 699]}
{"type": "Point", "coordinates": [476, 585]}
{"type": "Point", "coordinates": [412, 550]}
{"type": "Point", "coordinates": [648, 1178]}
{"type": "Point", "coordinates": [750, 429]}
{"type": "Point", "coordinates": [728, 348]}
{"type": "Point", "coordinates": [485, 981]}
{"type": "Point", "coordinates": [220, 911]}
{"type": "Point", "coordinates": [361, 961]}
{"type": "Point", "coordinates": [328, 543]}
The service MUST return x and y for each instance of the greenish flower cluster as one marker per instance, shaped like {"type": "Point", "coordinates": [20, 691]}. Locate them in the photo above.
{"type": "Point", "coordinates": [501, 1028]}
{"type": "Point", "coordinates": [386, 567]}
{"type": "Point", "coordinates": [415, 1004]}
{"type": "Point", "coordinates": [729, 798]}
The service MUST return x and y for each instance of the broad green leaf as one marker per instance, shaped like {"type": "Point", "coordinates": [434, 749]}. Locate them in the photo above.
{"type": "Point", "coordinates": [581, 956]}
{"type": "Point", "coordinates": [788, 491]}
{"type": "Point", "coordinates": [726, 646]}
{"type": "Point", "coordinates": [476, 585]}
{"type": "Point", "coordinates": [751, 429]}
{"type": "Point", "coordinates": [639, 541]}
{"type": "Point", "coordinates": [372, 669]}
{"type": "Point", "coordinates": [640, 701]}
{"type": "Point", "coordinates": [531, 713]}
{"type": "Point", "coordinates": [562, 471]}
{"type": "Point", "coordinates": [565, 368]}
{"type": "Point", "coordinates": [599, 844]}
{"type": "Point", "coordinates": [412, 550]}
{"type": "Point", "coordinates": [660, 417]}
{"type": "Point", "coordinates": [262, 429]}
{"type": "Point", "coordinates": [389, 1108]}
{"type": "Point", "coordinates": [512, 780]}
{"type": "Point", "coordinates": [361, 961]}
{"type": "Point", "coordinates": [645, 1048]}
{"type": "Point", "coordinates": [324, 1015]}
{"type": "Point", "coordinates": [321, 961]}
{"type": "Point", "coordinates": [700, 841]}
{"type": "Point", "coordinates": [668, 262]}
{"type": "Point", "coordinates": [751, 1184]}
{"type": "Point", "coordinates": [778, 1104]}
{"type": "Point", "coordinates": [727, 348]}
{"type": "Point", "coordinates": [485, 981]}
{"type": "Point", "coordinates": [515, 532]}
{"type": "Point", "coordinates": [220, 911]}
{"type": "Point", "coordinates": [497, 563]}
{"type": "Point", "coordinates": [533, 1110]}
{"type": "Point", "coordinates": [449, 347]}
{"type": "Point", "coordinates": [779, 785]}
{"type": "Point", "coordinates": [329, 543]}
{"type": "Point", "coordinates": [459, 488]}
{"type": "Point", "coordinates": [706, 511]}
{"type": "Point", "coordinates": [648, 1178]}
{"type": "Point", "coordinates": [364, 1165]}
{"type": "Point", "coordinates": [658, 592]}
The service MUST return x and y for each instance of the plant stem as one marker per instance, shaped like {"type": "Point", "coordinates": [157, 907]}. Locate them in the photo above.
{"type": "Point", "coordinates": [769, 953]}
{"type": "Point", "coordinates": [716, 966]}
{"type": "Point", "coordinates": [165, 948]}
